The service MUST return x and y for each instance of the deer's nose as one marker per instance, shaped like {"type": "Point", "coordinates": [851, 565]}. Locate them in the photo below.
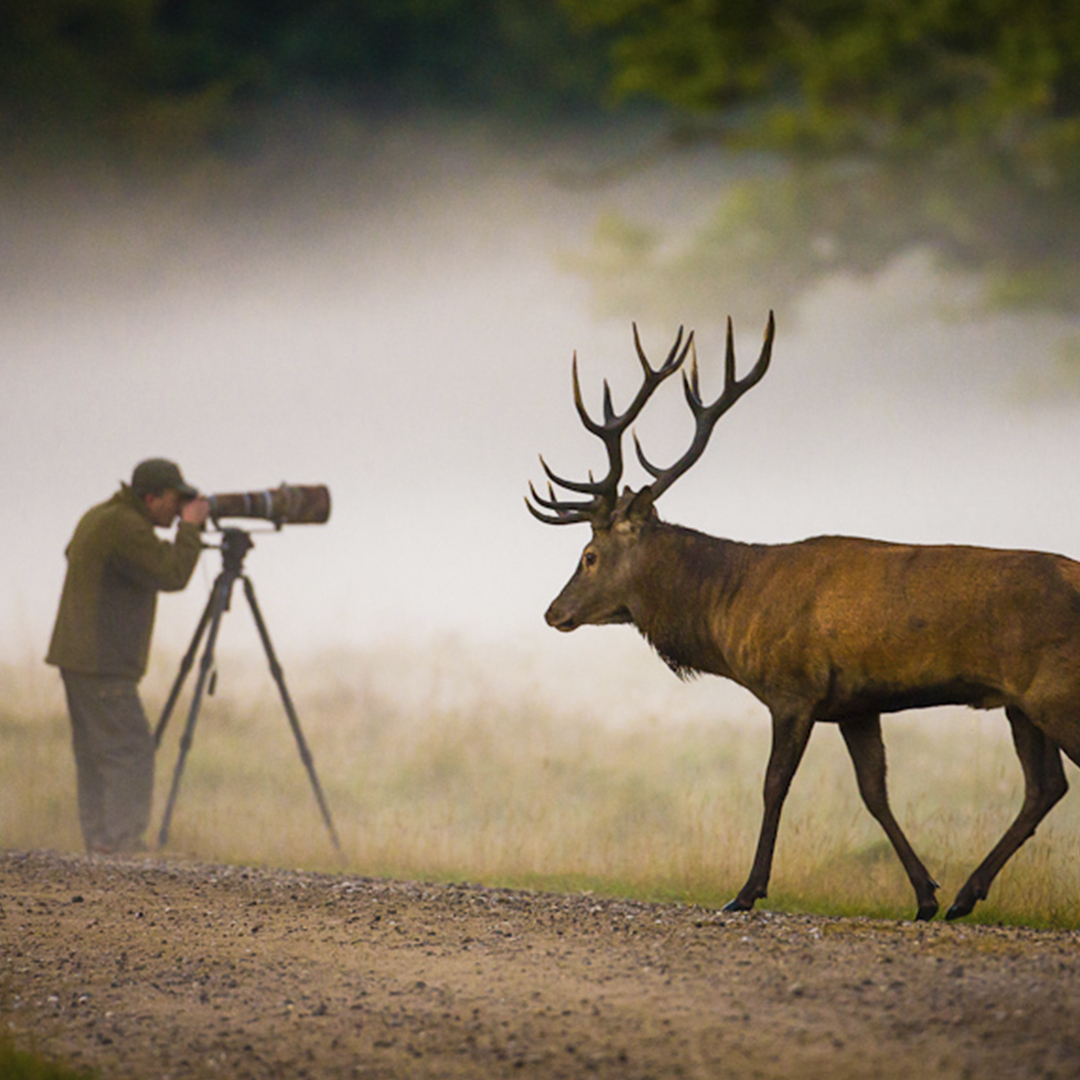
{"type": "Point", "coordinates": [560, 619]}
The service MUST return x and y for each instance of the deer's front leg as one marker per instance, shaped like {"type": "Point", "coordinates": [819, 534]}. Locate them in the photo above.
{"type": "Point", "coordinates": [790, 735]}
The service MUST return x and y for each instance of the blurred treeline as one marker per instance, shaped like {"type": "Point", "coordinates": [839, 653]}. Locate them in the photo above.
{"type": "Point", "coordinates": [952, 125]}
{"type": "Point", "coordinates": [167, 74]}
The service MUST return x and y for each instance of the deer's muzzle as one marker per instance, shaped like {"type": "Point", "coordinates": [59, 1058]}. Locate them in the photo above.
{"type": "Point", "coordinates": [560, 619]}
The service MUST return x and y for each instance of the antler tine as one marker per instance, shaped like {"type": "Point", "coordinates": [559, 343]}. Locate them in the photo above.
{"type": "Point", "coordinates": [553, 503]}
{"type": "Point", "coordinates": [579, 402]}
{"type": "Point", "coordinates": [565, 512]}
{"type": "Point", "coordinates": [609, 409]}
{"type": "Point", "coordinates": [591, 487]}
{"type": "Point", "coordinates": [671, 364]}
{"type": "Point", "coordinates": [694, 376]}
{"type": "Point", "coordinates": [706, 416]}
{"type": "Point", "coordinates": [562, 518]}
{"type": "Point", "coordinates": [729, 356]}
{"type": "Point", "coordinates": [646, 464]}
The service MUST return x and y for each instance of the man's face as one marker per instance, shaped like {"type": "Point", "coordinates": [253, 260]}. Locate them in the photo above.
{"type": "Point", "coordinates": [162, 509]}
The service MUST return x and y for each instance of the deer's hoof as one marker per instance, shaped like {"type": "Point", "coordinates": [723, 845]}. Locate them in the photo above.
{"type": "Point", "coordinates": [959, 909]}
{"type": "Point", "coordinates": [928, 902]}
{"type": "Point", "coordinates": [927, 911]}
{"type": "Point", "coordinates": [738, 905]}
{"type": "Point", "coordinates": [966, 899]}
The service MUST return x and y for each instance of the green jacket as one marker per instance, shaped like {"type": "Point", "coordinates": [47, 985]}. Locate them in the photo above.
{"type": "Point", "coordinates": [116, 566]}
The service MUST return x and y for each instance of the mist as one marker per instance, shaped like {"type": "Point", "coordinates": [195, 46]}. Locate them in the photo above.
{"type": "Point", "coordinates": [393, 318]}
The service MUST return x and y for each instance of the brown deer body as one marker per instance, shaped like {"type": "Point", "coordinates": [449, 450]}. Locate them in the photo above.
{"type": "Point", "coordinates": [834, 629]}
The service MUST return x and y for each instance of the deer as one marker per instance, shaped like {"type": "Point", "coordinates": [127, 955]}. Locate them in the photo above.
{"type": "Point", "coordinates": [831, 629]}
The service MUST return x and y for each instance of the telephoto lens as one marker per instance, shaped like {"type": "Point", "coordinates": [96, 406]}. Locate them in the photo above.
{"type": "Point", "coordinates": [289, 504]}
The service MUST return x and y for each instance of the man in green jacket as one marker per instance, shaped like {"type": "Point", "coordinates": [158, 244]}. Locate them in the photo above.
{"type": "Point", "coordinates": [117, 564]}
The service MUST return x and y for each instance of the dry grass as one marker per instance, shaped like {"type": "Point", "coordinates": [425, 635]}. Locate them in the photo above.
{"type": "Point", "coordinates": [442, 763]}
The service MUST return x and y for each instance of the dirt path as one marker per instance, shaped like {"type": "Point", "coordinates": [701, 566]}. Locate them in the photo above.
{"type": "Point", "coordinates": [149, 969]}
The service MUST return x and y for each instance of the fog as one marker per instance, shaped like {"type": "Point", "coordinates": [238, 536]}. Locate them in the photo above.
{"type": "Point", "coordinates": [394, 320]}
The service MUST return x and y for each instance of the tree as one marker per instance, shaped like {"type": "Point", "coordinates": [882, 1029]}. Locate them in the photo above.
{"type": "Point", "coordinates": [953, 124]}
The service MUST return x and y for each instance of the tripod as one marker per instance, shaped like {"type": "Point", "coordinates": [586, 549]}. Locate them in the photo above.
{"type": "Point", "coordinates": [235, 544]}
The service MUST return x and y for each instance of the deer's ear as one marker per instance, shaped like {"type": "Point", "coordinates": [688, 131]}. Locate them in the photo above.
{"type": "Point", "coordinates": [640, 508]}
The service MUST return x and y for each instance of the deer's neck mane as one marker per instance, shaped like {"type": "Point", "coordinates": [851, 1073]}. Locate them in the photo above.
{"type": "Point", "coordinates": [686, 578]}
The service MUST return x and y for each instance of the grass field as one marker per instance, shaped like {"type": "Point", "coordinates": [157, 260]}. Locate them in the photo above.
{"type": "Point", "coordinates": [444, 762]}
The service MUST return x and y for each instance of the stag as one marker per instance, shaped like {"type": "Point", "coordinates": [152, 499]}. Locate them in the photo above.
{"type": "Point", "coordinates": [835, 629]}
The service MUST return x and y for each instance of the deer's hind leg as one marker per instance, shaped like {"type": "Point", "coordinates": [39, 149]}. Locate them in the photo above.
{"type": "Point", "coordinates": [867, 749]}
{"type": "Point", "coordinates": [1044, 785]}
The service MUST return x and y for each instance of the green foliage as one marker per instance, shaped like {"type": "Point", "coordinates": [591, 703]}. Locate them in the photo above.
{"type": "Point", "coordinates": [845, 74]}
{"type": "Point", "coordinates": [953, 124]}
{"type": "Point", "coordinates": [171, 73]}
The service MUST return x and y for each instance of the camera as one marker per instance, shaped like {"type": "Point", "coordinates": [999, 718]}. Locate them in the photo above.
{"type": "Point", "coordinates": [289, 504]}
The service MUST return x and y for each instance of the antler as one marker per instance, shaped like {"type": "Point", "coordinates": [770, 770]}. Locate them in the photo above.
{"type": "Point", "coordinates": [707, 415]}
{"type": "Point", "coordinates": [605, 492]}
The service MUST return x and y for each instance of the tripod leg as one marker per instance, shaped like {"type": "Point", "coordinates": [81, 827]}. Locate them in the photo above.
{"type": "Point", "coordinates": [294, 723]}
{"type": "Point", "coordinates": [219, 604]}
{"type": "Point", "coordinates": [185, 666]}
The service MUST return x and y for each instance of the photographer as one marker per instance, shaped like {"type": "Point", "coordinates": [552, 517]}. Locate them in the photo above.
{"type": "Point", "coordinates": [101, 642]}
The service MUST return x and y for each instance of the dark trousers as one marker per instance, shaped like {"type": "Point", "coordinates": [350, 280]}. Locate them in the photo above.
{"type": "Point", "coordinates": [114, 760]}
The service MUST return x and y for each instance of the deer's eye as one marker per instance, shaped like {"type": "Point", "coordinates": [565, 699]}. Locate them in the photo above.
{"type": "Point", "coordinates": [589, 559]}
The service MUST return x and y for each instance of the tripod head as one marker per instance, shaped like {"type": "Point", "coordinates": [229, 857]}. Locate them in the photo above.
{"type": "Point", "coordinates": [235, 544]}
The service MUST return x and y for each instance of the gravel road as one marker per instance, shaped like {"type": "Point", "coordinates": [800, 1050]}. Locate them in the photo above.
{"type": "Point", "coordinates": [152, 968]}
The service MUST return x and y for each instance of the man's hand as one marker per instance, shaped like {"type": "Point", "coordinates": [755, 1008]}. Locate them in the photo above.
{"type": "Point", "coordinates": [196, 511]}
